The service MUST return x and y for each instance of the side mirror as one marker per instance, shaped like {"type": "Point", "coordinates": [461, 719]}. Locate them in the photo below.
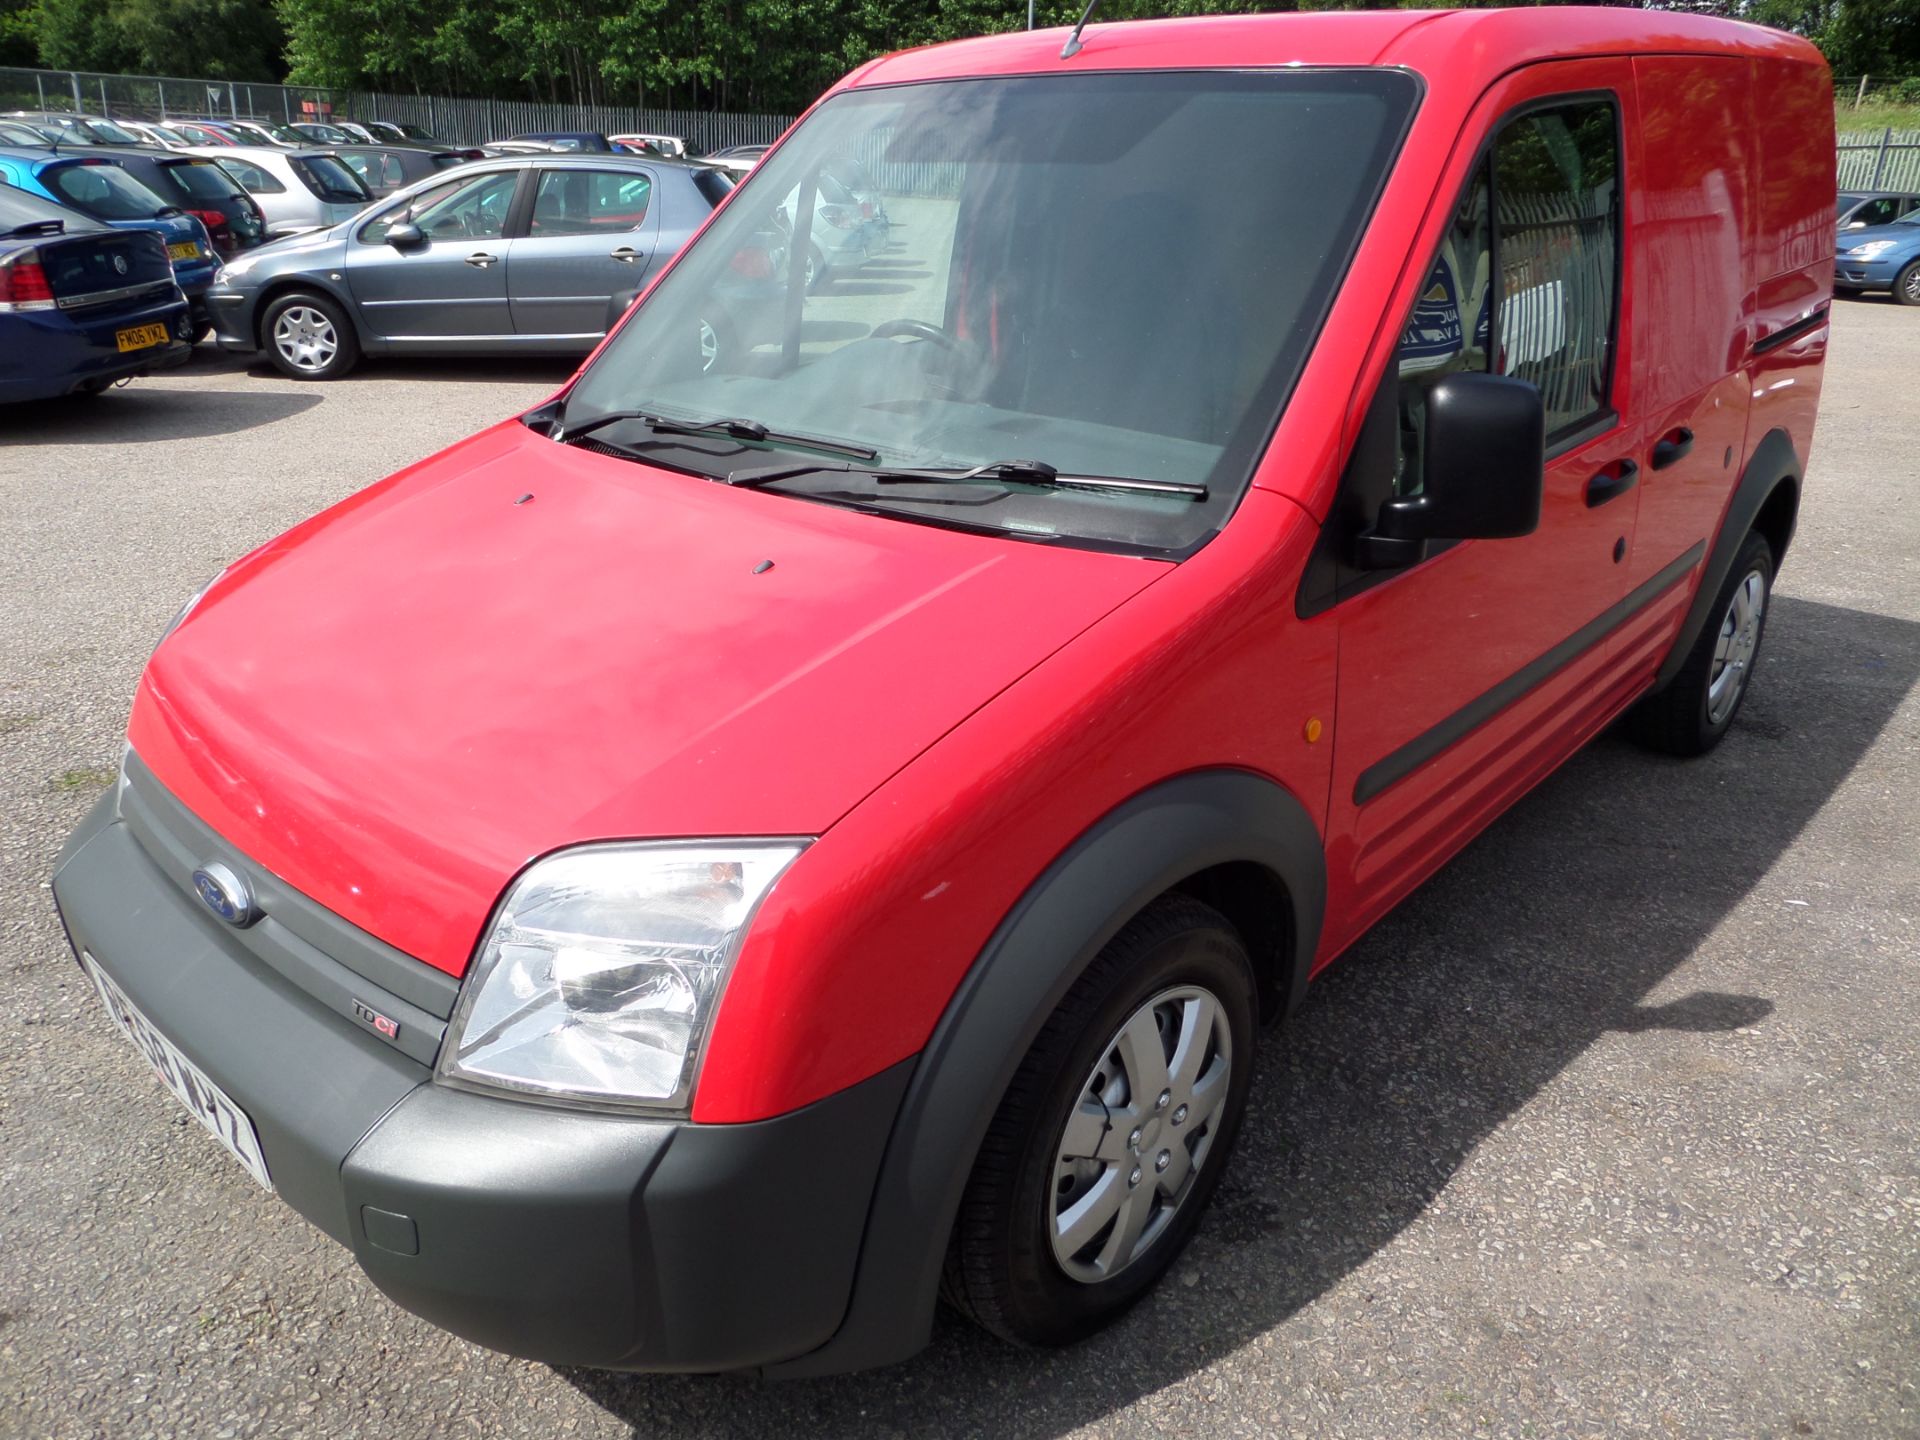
{"type": "Point", "coordinates": [405, 235]}
{"type": "Point", "coordinates": [1856, 225]}
{"type": "Point", "coordinates": [1485, 464]}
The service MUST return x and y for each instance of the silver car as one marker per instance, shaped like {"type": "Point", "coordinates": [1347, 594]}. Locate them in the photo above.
{"type": "Point", "coordinates": [522, 254]}
{"type": "Point", "coordinates": [297, 190]}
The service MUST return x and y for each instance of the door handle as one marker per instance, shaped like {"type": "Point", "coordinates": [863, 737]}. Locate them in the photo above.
{"type": "Point", "coordinates": [480, 259]}
{"type": "Point", "coordinates": [1674, 445]}
{"type": "Point", "coordinates": [626, 255]}
{"type": "Point", "coordinates": [1612, 483]}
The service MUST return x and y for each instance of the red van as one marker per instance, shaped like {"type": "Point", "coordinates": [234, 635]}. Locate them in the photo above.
{"type": "Point", "coordinates": [814, 817]}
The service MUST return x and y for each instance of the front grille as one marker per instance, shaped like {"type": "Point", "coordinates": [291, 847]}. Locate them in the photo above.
{"type": "Point", "coordinates": [302, 941]}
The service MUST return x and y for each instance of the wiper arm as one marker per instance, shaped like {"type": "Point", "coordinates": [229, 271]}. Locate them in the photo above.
{"type": "Point", "coordinates": [734, 428]}
{"type": "Point", "coordinates": [1012, 472]}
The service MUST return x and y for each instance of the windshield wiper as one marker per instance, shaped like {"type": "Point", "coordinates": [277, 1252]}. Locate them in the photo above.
{"type": "Point", "coordinates": [1008, 472]}
{"type": "Point", "coordinates": [734, 428]}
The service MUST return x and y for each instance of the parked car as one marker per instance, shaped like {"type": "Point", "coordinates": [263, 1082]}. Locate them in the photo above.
{"type": "Point", "coordinates": [1882, 257]}
{"type": "Point", "coordinates": [199, 132]}
{"type": "Point", "coordinates": [673, 147]}
{"type": "Point", "coordinates": [70, 129]}
{"type": "Point", "coordinates": [317, 132]}
{"type": "Point", "coordinates": [101, 190]}
{"type": "Point", "coordinates": [386, 168]}
{"type": "Point", "coordinates": [1861, 208]}
{"type": "Point", "coordinates": [18, 132]}
{"type": "Point", "coordinates": [410, 134]}
{"type": "Point", "coordinates": [82, 305]}
{"type": "Point", "coordinates": [554, 141]}
{"type": "Point", "coordinates": [195, 184]}
{"type": "Point", "coordinates": [157, 135]}
{"type": "Point", "coordinates": [531, 255]}
{"type": "Point", "coordinates": [844, 237]}
{"type": "Point", "coordinates": [686, 876]}
{"type": "Point", "coordinates": [297, 190]}
{"type": "Point", "coordinates": [751, 154]}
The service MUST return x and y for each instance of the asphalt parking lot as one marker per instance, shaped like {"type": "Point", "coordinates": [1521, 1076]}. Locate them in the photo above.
{"type": "Point", "coordinates": [1611, 1130]}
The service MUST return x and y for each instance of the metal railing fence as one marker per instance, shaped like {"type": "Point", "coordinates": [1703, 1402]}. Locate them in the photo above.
{"type": "Point", "coordinates": [1885, 159]}
{"type": "Point", "coordinates": [467, 122]}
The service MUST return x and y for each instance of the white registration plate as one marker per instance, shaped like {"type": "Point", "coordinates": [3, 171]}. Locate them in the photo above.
{"type": "Point", "coordinates": [207, 1102]}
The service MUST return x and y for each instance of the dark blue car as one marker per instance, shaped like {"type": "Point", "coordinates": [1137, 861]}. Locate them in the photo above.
{"type": "Point", "coordinates": [1882, 257]}
{"type": "Point", "coordinates": [82, 304]}
{"type": "Point", "coordinates": [103, 192]}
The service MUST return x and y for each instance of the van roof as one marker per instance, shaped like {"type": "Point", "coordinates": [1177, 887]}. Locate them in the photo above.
{"type": "Point", "coordinates": [1469, 47]}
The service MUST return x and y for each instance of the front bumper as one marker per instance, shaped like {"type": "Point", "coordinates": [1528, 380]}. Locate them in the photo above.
{"type": "Point", "coordinates": [1865, 274]}
{"type": "Point", "coordinates": [562, 1235]}
{"type": "Point", "coordinates": [232, 313]}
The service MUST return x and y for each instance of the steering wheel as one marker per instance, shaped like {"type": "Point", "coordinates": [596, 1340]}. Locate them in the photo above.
{"type": "Point", "coordinates": [915, 330]}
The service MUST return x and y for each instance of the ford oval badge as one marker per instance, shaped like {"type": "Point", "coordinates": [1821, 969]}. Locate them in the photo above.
{"type": "Point", "coordinates": [225, 893]}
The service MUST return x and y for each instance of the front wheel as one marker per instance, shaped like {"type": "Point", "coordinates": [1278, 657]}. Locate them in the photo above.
{"type": "Point", "coordinates": [1694, 712]}
{"type": "Point", "coordinates": [309, 337]}
{"type": "Point", "coordinates": [1113, 1133]}
{"type": "Point", "coordinates": [1906, 285]}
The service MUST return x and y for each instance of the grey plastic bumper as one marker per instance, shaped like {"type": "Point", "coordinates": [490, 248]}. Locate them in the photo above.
{"type": "Point", "coordinates": [562, 1235]}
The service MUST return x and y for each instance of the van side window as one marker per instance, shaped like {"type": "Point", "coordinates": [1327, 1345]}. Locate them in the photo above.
{"type": "Point", "coordinates": [1450, 327]}
{"type": "Point", "coordinates": [1530, 294]}
{"type": "Point", "coordinates": [1557, 201]}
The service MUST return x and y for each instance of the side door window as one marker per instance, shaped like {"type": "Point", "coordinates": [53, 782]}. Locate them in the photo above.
{"type": "Point", "coordinates": [589, 202]}
{"type": "Point", "coordinates": [253, 179]}
{"type": "Point", "coordinates": [461, 209]}
{"type": "Point", "coordinates": [1876, 212]}
{"type": "Point", "coordinates": [1526, 280]}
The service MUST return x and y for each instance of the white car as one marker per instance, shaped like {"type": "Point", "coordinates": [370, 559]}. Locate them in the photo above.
{"type": "Point", "coordinates": [297, 190]}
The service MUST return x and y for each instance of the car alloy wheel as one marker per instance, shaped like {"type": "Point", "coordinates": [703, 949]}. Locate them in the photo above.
{"type": "Point", "coordinates": [1733, 652]}
{"type": "Point", "coordinates": [305, 338]}
{"type": "Point", "coordinates": [1910, 285]}
{"type": "Point", "coordinates": [1143, 1128]}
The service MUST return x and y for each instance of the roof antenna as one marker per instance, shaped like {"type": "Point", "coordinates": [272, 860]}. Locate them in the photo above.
{"type": "Point", "coordinates": [1072, 47]}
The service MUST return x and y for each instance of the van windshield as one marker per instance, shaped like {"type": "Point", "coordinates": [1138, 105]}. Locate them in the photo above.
{"type": "Point", "coordinates": [1111, 274]}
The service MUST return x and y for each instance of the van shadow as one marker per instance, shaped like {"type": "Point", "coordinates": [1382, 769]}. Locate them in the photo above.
{"type": "Point", "coordinates": [1547, 934]}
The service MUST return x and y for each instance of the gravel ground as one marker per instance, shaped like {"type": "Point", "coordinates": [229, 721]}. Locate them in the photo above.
{"type": "Point", "coordinates": [1610, 1130]}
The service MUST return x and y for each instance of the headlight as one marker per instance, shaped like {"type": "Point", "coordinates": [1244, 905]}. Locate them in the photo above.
{"type": "Point", "coordinates": [604, 966]}
{"type": "Point", "coordinates": [1869, 250]}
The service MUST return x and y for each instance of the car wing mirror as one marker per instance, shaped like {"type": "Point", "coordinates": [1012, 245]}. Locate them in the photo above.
{"type": "Point", "coordinates": [1856, 225]}
{"type": "Point", "coordinates": [1483, 471]}
{"type": "Point", "coordinates": [405, 235]}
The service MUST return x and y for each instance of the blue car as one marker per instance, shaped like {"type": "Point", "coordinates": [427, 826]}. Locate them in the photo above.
{"type": "Point", "coordinates": [104, 192]}
{"type": "Point", "coordinates": [1882, 257]}
{"type": "Point", "coordinates": [82, 304]}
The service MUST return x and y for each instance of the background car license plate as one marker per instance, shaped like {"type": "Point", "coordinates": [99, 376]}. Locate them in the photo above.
{"type": "Point", "coordinates": [138, 337]}
{"type": "Point", "coordinates": [210, 1105]}
{"type": "Point", "coordinates": [185, 250]}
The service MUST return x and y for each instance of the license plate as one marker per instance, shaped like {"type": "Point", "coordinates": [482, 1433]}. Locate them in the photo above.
{"type": "Point", "coordinates": [209, 1104]}
{"type": "Point", "coordinates": [185, 250]}
{"type": "Point", "coordinates": [139, 337]}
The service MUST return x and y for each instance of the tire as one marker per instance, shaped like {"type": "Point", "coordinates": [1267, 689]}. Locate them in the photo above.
{"type": "Point", "coordinates": [200, 332]}
{"type": "Point", "coordinates": [1691, 715]}
{"type": "Point", "coordinates": [1007, 1269]}
{"type": "Point", "coordinates": [1906, 285]}
{"type": "Point", "coordinates": [309, 337]}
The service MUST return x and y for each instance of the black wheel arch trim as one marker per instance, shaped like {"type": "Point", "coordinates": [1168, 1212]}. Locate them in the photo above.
{"type": "Point", "coordinates": [1774, 463]}
{"type": "Point", "coordinates": [1151, 844]}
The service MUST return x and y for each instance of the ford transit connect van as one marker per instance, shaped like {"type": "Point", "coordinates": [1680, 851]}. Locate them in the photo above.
{"type": "Point", "coordinates": [813, 817]}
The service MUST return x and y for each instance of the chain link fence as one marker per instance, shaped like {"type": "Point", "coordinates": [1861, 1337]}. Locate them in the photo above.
{"type": "Point", "coordinates": [465, 122]}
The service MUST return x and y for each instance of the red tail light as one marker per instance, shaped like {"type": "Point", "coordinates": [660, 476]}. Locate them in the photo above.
{"type": "Point", "coordinates": [754, 263]}
{"type": "Point", "coordinates": [212, 219]}
{"type": "Point", "coordinates": [23, 283]}
{"type": "Point", "coordinates": [838, 216]}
